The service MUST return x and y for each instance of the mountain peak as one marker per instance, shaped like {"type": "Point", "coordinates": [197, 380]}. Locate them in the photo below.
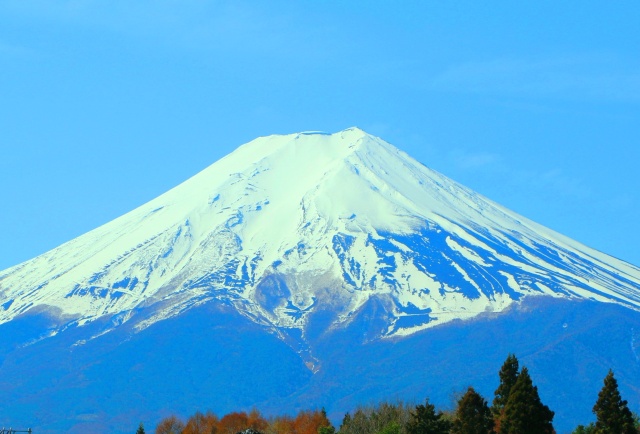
{"type": "Point", "coordinates": [289, 224]}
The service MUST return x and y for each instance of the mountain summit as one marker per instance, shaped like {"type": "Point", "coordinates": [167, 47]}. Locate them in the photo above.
{"type": "Point", "coordinates": [289, 225]}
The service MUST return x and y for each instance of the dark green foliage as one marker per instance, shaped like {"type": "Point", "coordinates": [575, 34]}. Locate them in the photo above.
{"type": "Point", "coordinates": [472, 415]}
{"type": "Point", "coordinates": [327, 430]}
{"type": "Point", "coordinates": [508, 377]}
{"type": "Point", "coordinates": [524, 413]}
{"type": "Point", "coordinates": [140, 429]}
{"type": "Point", "coordinates": [346, 422]}
{"type": "Point", "coordinates": [581, 429]}
{"type": "Point", "coordinates": [612, 414]}
{"type": "Point", "coordinates": [424, 420]}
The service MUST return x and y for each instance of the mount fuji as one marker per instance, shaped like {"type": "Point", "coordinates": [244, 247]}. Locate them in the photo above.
{"type": "Point", "coordinates": [324, 268]}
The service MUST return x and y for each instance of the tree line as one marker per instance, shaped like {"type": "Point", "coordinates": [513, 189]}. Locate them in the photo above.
{"type": "Point", "coordinates": [516, 409]}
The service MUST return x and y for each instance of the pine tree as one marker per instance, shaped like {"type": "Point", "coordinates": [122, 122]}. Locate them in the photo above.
{"type": "Point", "coordinates": [140, 429]}
{"type": "Point", "coordinates": [612, 414]}
{"type": "Point", "coordinates": [424, 420]}
{"type": "Point", "coordinates": [508, 377]}
{"type": "Point", "coordinates": [524, 413]}
{"type": "Point", "coordinates": [346, 422]}
{"type": "Point", "coordinates": [472, 415]}
{"type": "Point", "coordinates": [581, 429]}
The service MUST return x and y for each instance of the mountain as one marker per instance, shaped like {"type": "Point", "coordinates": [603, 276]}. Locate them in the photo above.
{"type": "Point", "coordinates": [303, 242]}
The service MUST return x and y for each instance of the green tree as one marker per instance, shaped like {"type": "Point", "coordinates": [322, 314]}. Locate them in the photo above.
{"type": "Point", "coordinates": [472, 415]}
{"type": "Point", "coordinates": [140, 429]}
{"type": "Point", "coordinates": [391, 428]}
{"type": "Point", "coordinates": [524, 413]}
{"type": "Point", "coordinates": [424, 420]}
{"type": "Point", "coordinates": [346, 423]}
{"type": "Point", "coordinates": [508, 377]}
{"type": "Point", "coordinates": [581, 429]}
{"type": "Point", "coordinates": [612, 414]}
{"type": "Point", "coordinates": [327, 430]}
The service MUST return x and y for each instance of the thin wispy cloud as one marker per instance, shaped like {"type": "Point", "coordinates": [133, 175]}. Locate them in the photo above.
{"type": "Point", "coordinates": [581, 77]}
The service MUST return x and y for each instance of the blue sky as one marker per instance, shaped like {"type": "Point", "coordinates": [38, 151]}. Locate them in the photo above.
{"type": "Point", "coordinates": [105, 105]}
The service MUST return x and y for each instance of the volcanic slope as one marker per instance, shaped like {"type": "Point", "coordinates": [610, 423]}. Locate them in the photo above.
{"type": "Point", "coordinates": [289, 224]}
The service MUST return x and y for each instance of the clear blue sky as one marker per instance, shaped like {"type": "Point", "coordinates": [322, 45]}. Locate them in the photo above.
{"type": "Point", "coordinates": [107, 104]}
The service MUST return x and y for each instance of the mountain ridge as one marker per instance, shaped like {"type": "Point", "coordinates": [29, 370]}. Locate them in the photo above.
{"type": "Point", "coordinates": [331, 269]}
{"type": "Point", "coordinates": [287, 223]}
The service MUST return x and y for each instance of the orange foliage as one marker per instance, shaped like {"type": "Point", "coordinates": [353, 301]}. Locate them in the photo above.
{"type": "Point", "coordinates": [202, 424]}
{"type": "Point", "coordinates": [233, 423]}
{"type": "Point", "coordinates": [306, 422]}
{"type": "Point", "coordinates": [281, 425]}
{"type": "Point", "coordinates": [256, 421]}
{"type": "Point", "coordinates": [309, 421]}
{"type": "Point", "coordinates": [170, 425]}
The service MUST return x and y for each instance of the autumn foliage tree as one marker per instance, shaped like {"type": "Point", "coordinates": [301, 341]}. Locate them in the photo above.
{"type": "Point", "coordinates": [170, 425]}
{"type": "Point", "coordinates": [256, 421]}
{"type": "Point", "coordinates": [233, 423]}
{"type": "Point", "coordinates": [310, 422]}
{"type": "Point", "coordinates": [280, 425]}
{"type": "Point", "coordinates": [201, 423]}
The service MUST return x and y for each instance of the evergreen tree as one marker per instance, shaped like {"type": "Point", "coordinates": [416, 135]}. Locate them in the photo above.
{"type": "Point", "coordinates": [612, 414]}
{"type": "Point", "coordinates": [524, 413]}
{"type": "Point", "coordinates": [508, 377]}
{"type": "Point", "coordinates": [327, 430]}
{"type": "Point", "coordinates": [140, 429]}
{"type": "Point", "coordinates": [346, 422]}
{"type": "Point", "coordinates": [581, 429]}
{"type": "Point", "coordinates": [424, 420]}
{"type": "Point", "coordinates": [472, 415]}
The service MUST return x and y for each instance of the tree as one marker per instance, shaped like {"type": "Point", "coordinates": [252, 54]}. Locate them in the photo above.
{"type": "Point", "coordinates": [256, 421]}
{"type": "Point", "coordinates": [508, 377]}
{"type": "Point", "coordinates": [201, 424]}
{"type": "Point", "coordinates": [140, 429]}
{"type": "Point", "coordinates": [581, 429]}
{"type": "Point", "coordinates": [327, 430]}
{"type": "Point", "coordinates": [310, 421]}
{"type": "Point", "coordinates": [170, 425]}
{"type": "Point", "coordinates": [280, 425]}
{"type": "Point", "coordinates": [612, 413]}
{"type": "Point", "coordinates": [472, 415]}
{"type": "Point", "coordinates": [233, 423]}
{"type": "Point", "coordinates": [524, 413]}
{"type": "Point", "coordinates": [424, 420]}
{"type": "Point", "coordinates": [346, 423]}
{"type": "Point", "coordinates": [391, 428]}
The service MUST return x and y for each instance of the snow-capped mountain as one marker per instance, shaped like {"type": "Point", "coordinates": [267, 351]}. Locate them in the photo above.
{"type": "Point", "coordinates": [289, 225]}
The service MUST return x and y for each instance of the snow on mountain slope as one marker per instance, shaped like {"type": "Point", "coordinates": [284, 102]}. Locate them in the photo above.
{"type": "Point", "coordinates": [286, 225]}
